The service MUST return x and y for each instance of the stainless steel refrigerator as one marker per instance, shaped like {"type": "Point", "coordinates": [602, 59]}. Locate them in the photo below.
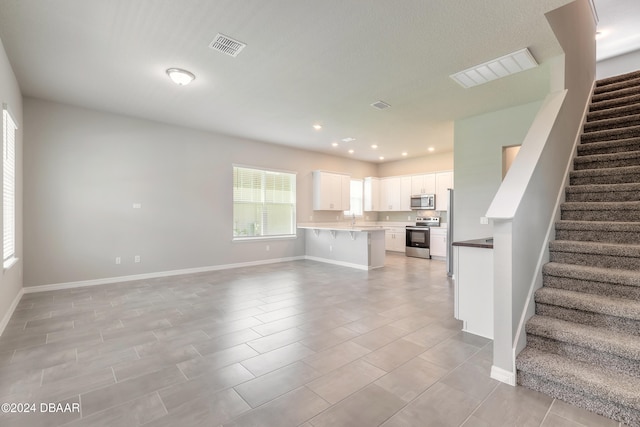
{"type": "Point", "coordinates": [450, 233]}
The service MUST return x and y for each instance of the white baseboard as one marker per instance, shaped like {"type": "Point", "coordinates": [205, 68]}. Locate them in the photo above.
{"type": "Point", "coordinates": [503, 375]}
{"type": "Point", "coordinates": [340, 263]}
{"type": "Point", "coordinates": [108, 280]}
{"type": "Point", "coordinates": [9, 313]}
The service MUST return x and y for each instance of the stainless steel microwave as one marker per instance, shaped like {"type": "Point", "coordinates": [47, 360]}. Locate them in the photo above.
{"type": "Point", "coordinates": [423, 202]}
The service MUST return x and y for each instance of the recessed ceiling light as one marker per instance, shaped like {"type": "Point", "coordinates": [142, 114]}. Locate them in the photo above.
{"type": "Point", "coordinates": [348, 139]}
{"type": "Point", "coordinates": [180, 77]}
{"type": "Point", "coordinates": [381, 157]}
{"type": "Point", "coordinates": [334, 144]}
{"type": "Point", "coordinates": [374, 146]}
{"type": "Point", "coordinates": [351, 151]}
{"type": "Point", "coordinates": [431, 149]}
{"type": "Point", "coordinates": [404, 153]}
{"type": "Point", "coordinates": [317, 127]}
{"type": "Point", "coordinates": [601, 34]}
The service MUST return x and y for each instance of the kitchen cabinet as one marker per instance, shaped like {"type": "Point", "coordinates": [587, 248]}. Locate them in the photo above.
{"type": "Point", "coordinates": [438, 242]}
{"type": "Point", "coordinates": [331, 191]}
{"type": "Point", "coordinates": [444, 181]}
{"type": "Point", "coordinates": [390, 194]}
{"type": "Point", "coordinates": [405, 193]}
{"type": "Point", "coordinates": [395, 239]}
{"type": "Point", "coordinates": [395, 193]}
{"type": "Point", "coordinates": [372, 194]}
{"type": "Point", "coordinates": [423, 184]}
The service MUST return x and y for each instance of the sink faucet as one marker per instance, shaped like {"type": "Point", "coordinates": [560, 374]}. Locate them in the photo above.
{"type": "Point", "coordinates": [353, 219]}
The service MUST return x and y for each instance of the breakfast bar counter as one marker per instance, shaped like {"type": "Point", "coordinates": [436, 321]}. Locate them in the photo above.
{"type": "Point", "coordinates": [358, 246]}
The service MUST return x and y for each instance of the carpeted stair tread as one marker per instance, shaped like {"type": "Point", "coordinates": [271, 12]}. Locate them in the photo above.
{"type": "Point", "coordinates": [610, 134]}
{"type": "Point", "coordinates": [629, 82]}
{"type": "Point", "coordinates": [600, 206]}
{"type": "Point", "coordinates": [601, 211]}
{"type": "Point", "coordinates": [609, 147]}
{"type": "Point", "coordinates": [599, 231]}
{"type": "Point", "coordinates": [612, 123]}
{"type": "Point", "coordinates": [619, 78]}
{"type": "Point", "coordinates": [583, 272]}
{"type": "Point", "coordinates": [604, 188]}
{"type": "Point", "coordinates": [598, 248]}
{"type": "Point", "coordinates": [593, 380]}
{"type": "Point", "coordinates": [597, 339]}
{"type": "Point", "coordinates": [618, 93]}
{"type": "Point", "coordinates": [596, 161]}
{"type": "Point", "coordinates": [617, 175]}
{"type": "Point", "coordinates": [616, 307]}
{"type": "Point", "coordinates": [615, 102]}
{"type": "Point", "coordinates": [609, 113]}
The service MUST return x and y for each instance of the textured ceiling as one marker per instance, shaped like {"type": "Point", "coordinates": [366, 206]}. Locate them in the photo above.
{"type": "Point", "coordinates": [306, 62]}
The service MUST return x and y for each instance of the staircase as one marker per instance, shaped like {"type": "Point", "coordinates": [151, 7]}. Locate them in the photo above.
{"type": "Point", "coordinates": [583, 343]}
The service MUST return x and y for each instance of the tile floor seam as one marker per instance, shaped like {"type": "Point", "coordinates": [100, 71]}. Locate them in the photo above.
{"type": "Point", "coordinates": [479, 405]}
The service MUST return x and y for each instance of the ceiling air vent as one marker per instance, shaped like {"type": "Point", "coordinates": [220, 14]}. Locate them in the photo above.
{"type": "Point", "coordinates": [491, 70]}
{"type": "Point", "coordinates": [380, 105]}
{"type": "Point", "coordinates": [227, 45]}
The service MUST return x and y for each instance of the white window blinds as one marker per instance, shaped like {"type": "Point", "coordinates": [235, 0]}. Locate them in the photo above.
{"type": "Point", "coordinates": [8, 186]}
{"type": "Point", "coordinates": [264, 203]}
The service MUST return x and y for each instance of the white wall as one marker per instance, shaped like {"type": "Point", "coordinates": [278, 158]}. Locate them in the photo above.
{"type": "Point", "coordinates": [617, 65]}
{"type": "Point", "coordinates": [84, 169]}
{"type": "Point", "coordinates": [11, 279]}
{"type": "Point", "coordinates": [429, 163]}
{"type": "Point", "coordinates": [478, 158]}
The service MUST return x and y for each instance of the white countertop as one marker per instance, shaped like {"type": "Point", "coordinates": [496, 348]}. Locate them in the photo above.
{"type": "Point", "coordinates": [342, 227]}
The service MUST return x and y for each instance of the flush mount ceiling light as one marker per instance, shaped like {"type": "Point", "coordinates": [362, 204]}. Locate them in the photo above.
{"type": "Point", "coordinates": [317, 127]}
{"type": "Point", "coordinates": [497, 68]}
{"type": "Point", "coordinates": [180, 77]}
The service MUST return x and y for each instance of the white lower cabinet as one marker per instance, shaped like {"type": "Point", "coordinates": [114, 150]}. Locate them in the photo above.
{"type": "Point", "coordinates": [395, 239]}
{"type": "Point", "coordinates": [438, 242]}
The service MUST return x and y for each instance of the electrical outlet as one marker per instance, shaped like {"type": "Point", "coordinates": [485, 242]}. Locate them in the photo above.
{"type": "Point", "coordinates": [137, 206]}
{"type": "Point", "coordinates": [310, 217]}
{"type": "Point", "coordinates": [268, 248]}
{"type": "Point", "coordinates": [330, 248]}
{"type": "Point", "coordinates": [387, 217]}
{"type": "Point", "coordinates": [118, 260]}
{"type": "Point", "coordinates": [408, 217]}
{"type": "Point", "coordinates": [136, 259]}
{"type": "Point", "coordinates": [484, 220]}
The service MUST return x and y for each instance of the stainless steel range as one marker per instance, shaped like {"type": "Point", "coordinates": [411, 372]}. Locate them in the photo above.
{"type": "Point", "coordinates": [417, 244]}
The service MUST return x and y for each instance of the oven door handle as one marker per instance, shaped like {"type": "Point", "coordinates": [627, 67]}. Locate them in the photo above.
{"type": "Point", "coordinates": [418, 228]}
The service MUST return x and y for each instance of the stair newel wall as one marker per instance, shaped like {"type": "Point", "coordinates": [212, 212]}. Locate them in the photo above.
{"type": "Point", "coordinates": [525, 207]}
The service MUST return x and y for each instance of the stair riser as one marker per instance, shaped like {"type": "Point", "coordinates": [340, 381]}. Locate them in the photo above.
{"type": "Point", "coordinates": [595, 260]}
{"type": "Point", "coordinates": [632, 238]}
{"type": "Point", "coordinates": [608, 81]}
{"type": "Point", "coordinates": [601, 215]}
{"type": "Point", "coordinates": [619, 324]}
{"type": "Point", "coordinates": [624, 414]}
{"type": "Point", "coordinates": [592, 287]}
{"type": "Point", "coordinates": [583, 354]}
{"type": "Point", "coordinates": [612, 123]}
{"type": "Point", "coordinates": [611, 196]}
{"type": "Point", "coordinates": [610, 135]}
{"type": "Point", "coordinates": [587, 179]}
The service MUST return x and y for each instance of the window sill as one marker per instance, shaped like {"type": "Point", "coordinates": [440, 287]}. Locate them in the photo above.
{"type": "Point", "coordinates": [10, 263]}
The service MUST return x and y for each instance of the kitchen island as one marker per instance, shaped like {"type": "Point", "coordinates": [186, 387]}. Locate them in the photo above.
{"type": "Point", "coordinates": [358, 246]}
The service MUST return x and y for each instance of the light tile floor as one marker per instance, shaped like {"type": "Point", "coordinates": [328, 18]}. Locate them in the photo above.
{"type": "Point", "coordinates": [292, 344]}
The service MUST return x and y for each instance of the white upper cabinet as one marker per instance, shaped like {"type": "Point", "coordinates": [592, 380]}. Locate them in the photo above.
{"type": "Point", "coordinates": [331, 191]}
{"type": "Point", "coordinates": [444, 181]}
{"type": "Point", "coordinates": [372, 194]}
{"type": "Point", "coordinates": [390, 193]}
{"type": "Point", "coordinates": [423, 184]}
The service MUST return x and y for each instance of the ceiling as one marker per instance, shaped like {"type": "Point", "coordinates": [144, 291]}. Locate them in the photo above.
{"type": "Point", "coordinates": [306, 62]}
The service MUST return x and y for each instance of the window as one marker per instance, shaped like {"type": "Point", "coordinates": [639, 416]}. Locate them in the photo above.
{"type": "Point", "coordinates": [264, 203]}
{"type": "Point", "coordinates": [8, 188]}
{"type": "Point", "coordinates": [356, 189]}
